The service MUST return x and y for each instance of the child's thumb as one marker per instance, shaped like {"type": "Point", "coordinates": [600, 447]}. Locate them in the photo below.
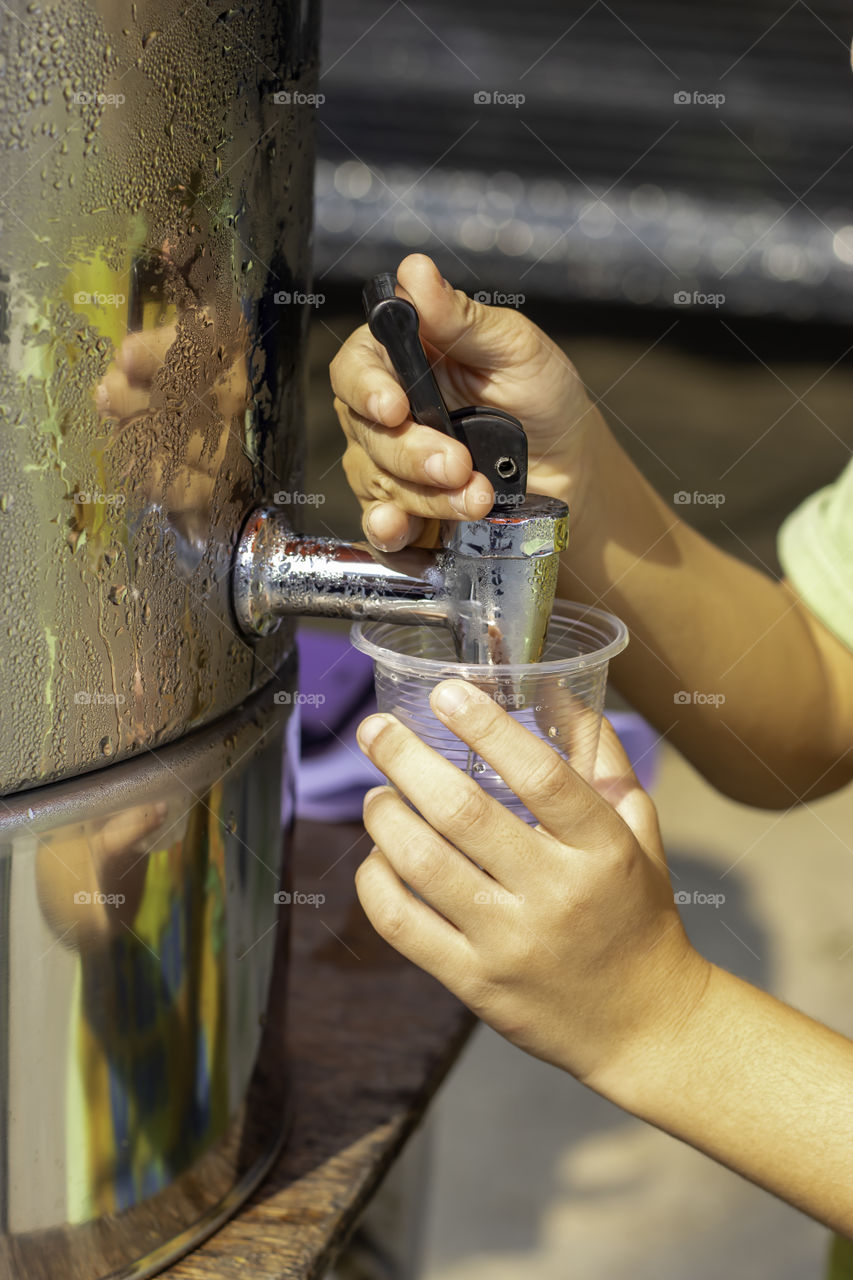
{"type": "Point", "coordinates": [482, 336]}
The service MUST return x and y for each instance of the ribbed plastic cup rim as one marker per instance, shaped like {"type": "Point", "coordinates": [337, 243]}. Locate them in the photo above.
{"type": "Point", "coordinates": [565, 612]}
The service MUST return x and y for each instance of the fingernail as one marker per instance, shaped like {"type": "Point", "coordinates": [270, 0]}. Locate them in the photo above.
{"type": "Point", "coordinates": [369, 730]}
{"type": "Point", "coordinates": [436, 468]}
{"type": "Point", "coordinates": [372, 535]}
{"type": "Point", "coordinates": [374, 791]}
{"type": "Point", "coordinates": [374, 406]}
{"type": "Point", "coordinates": [457, 502]}
{"type": "Point", "coordinates": [451, 697]}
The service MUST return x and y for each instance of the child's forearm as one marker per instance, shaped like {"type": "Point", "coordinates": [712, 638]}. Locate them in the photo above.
{"type": "Point", "coordinates": [766, 697]}
{"type": "Point", "coordinates": [758, 1086]}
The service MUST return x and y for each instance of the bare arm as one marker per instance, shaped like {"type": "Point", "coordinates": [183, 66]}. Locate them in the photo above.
{"type": "Point", "coordinates": [769, 719]}
{"type": "Point", "coordinates": [759, 1087]}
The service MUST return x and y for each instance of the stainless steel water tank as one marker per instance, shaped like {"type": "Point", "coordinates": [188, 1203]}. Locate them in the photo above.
{"type": "Point", "coordinates": [156, 163]}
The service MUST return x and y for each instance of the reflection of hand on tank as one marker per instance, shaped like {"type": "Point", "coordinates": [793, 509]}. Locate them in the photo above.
{"type": "Point", "coordinates": [127, 387]}
{"type": "Point", "coordinates": [129, 390]}
{"type": "Point", "coordinates": [90, 877]}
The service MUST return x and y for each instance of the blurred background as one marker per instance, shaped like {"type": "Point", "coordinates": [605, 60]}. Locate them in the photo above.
{"type": "Point", "coordinates": [668, 191]}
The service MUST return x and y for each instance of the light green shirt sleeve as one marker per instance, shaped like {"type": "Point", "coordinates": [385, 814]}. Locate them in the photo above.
{"type": "Point", "coordinates": [815, 547]}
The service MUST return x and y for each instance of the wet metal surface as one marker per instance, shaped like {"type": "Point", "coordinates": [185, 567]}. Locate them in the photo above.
{"type": "Point", "coordinates": [157, 173]}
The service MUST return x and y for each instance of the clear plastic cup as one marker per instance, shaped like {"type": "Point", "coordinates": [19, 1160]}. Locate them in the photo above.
{"type": "Point", "coordinates": [559, 698]}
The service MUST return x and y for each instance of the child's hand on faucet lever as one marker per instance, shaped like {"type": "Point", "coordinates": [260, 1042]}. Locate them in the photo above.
{"type": "Point", "coordinates": [700, 619]}
{"type": "Point", "coordinates": [404, 473]}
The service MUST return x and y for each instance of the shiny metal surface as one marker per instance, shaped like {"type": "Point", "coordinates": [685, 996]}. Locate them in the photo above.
{"type": "Point", "coordinates": [142, 947]}
{"type": "Point", "coordinates": [492, 582]}
{"type": "Point", "coordinates": [278, 574]}
{"type": "Point", "coordinates": [156, 165]}
{"type": "Point", "coordinates": [509, 565]}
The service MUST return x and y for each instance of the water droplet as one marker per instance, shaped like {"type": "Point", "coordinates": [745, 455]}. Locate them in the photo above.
{"type": "Point", "coordinates": [106, 747]}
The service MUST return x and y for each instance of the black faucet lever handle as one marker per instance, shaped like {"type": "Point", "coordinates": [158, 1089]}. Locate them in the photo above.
{"type": "Point", "coordinates": [496, 440]}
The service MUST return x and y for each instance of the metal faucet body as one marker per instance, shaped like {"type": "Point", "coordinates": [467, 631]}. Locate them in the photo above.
{"type": "Point", "coordinates": [492, 582]}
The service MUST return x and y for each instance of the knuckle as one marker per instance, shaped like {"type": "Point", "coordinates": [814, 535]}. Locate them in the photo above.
{"type": "Point", "coordinates": [548, 780]}
{"type": "Point", "coordinates": [471, 311]}
{"type": "Point", "coordinates": [389, 917]}
{"type": "Point", "coordinates": [380, 486]}
{"type": "Point", "coordinates": [421, 859]}
{"type": "Point", "coordinates": [336, 369]}
{"type": "Point", "coordinates": [520, 340]}
{"type": "Point", "coordinates": [341, 359]}
{"type": "Point", "coordinates": [354, 463]}
{"type": "Point", "coordinates": [468, 810]}
{"type": "Point", "coordinates": [401, 458]}
{"type": "Point", "coordinates": [343, 412]}
{"type": "Point", "coordinates": [518, 334]}
{"type": "Point", "coordinates": [482, 991]}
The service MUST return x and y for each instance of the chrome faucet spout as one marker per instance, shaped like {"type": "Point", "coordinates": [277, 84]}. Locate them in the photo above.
{"type": "Point", "coordinates": [492, 582]}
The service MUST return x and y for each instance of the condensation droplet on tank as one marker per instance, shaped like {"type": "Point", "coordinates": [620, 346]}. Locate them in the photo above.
{"type": "Point", "coordinates": [117, 209]}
